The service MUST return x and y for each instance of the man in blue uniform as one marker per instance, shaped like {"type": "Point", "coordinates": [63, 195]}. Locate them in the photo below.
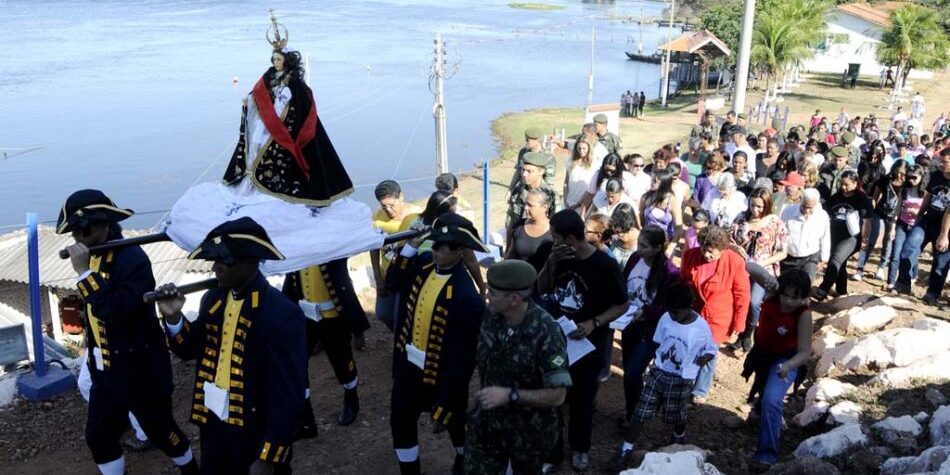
{"type": "Point", "coordinates": [128, 359]}
{"type": "Point", "coordinates": [326, 296]}
{"type": "Point", "coordinates": [436, 336]}
{"type": "Point", "coordinates": [249, 342]}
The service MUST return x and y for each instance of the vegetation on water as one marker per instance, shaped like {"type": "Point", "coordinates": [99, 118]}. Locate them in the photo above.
{"type": "Point", "coordinates": [535, 6]}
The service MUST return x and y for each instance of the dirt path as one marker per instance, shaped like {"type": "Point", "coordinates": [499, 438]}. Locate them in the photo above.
{"type": "Point", "coordinates": [47, 438]}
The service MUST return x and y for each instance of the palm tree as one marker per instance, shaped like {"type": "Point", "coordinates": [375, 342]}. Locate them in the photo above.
{"type": "Point", "coordinates": [783, 34]}
{"type": "Point", "coordinates": [915, 40]}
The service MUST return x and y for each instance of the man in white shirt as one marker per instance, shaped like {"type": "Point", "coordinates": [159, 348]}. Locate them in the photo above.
{"type": "Point", "coordinates": [740, 143]}
{"type": "Point", "coordinates": [899, 115]}
{"type": "Point", "coordinates": [809, 234]}
{"type": "Point", "coordinates": [639, 184]}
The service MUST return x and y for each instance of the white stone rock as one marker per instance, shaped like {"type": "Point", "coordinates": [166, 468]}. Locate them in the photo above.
{"type": "Point", "coordinates": [921, 417]}
{"type": "Point", "coordinates": [811, 414]}
{"type": "Point", "coordinates": [940, 426]}
{"type": "Point", "coordinates": [936, 367]}
{"type": "Point", "coordinates": [932, 324]}
{"type": "Point", "coordinates": [833, 443]}
{"type": "Point", "coordinates": [935, 397]}
{"type": "Point", "coordinates": [934, 458]}
{"type": "Point", "coordinates": [817, 400]}
{"type": "Point", "coordinates": [8, 390]}
{"type": "Point", "coordinates": [845, 412]}
{"type": "Point", "coordinates": [899, 432]}
{"type": "Point", "coordinates": [826, 339]}
{"type": "Point", "coordinates": [895, 347]}
{"type": "Point", "coordinates": [865, 318]}
{"type": "Point", "coordinates": [897, 302]}
{"type": "Point", "coordinates": [827, 389]}
{"type": "Point", "coordinates": [687, 463]}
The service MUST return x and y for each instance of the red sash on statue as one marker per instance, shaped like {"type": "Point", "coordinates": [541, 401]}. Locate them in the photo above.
{"type": "Point", "coordinates": [279, 131]}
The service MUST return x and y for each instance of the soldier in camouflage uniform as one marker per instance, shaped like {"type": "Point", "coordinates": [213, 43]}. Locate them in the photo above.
{"type": "Point", "coordinates": [523, 369]}
{"type": "Point", "coordinates": [532, 173]}
{"type": "Point", "coordinates": [609, 139]}
{"type": "Point", "coordinates": [532, 143]}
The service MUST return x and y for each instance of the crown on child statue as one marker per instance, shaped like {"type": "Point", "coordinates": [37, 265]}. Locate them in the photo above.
{"type": "Point", "coordinates": [278, 42]}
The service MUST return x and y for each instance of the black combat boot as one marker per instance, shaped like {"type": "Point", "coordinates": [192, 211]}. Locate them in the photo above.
{"type": "Point", "coordinates": [307, 427]}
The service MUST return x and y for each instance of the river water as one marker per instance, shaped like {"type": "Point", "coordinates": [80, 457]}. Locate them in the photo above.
{"type": "Point", "coordinates": [136, 97]}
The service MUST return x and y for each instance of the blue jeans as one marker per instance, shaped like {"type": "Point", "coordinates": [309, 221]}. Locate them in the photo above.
{"type": "Point", "coordinates": [901, 233]}
{"type": "Point", "coordinates": [635, 362]}
{"type": "Point", "coordinates": [755, 306]}
{"type": "Point", "coordinates": [705, 378]}
{"type": "Point", "coordinates": [770, 406]}
{"type": "Point", "coordinates": [920, 235]}
{"type": "Point", "coordinates": [866, 251]}
{"type": "Point", "coordinates": [938, 274]}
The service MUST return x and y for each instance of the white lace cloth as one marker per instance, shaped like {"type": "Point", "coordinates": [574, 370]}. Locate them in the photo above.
{"type": "Point", "coordinates": [306, 236]}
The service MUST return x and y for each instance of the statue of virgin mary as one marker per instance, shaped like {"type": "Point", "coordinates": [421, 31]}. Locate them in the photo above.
{"type": "Point", "coordinates": [284, 173]}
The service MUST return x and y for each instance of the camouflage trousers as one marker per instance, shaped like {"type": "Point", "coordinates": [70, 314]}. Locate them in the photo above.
{"type": "Point", "coordinates": [492, 444]}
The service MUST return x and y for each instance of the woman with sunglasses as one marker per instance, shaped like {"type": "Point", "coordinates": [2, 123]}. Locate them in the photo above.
{"type": "Point", "coordinates": [912, 198]}
{"type": "Point", "coordinates": [886, 200]}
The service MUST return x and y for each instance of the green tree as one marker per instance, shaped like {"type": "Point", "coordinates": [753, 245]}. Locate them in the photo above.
{"type": "Point", "coordinates": [915, 40]}
{"type": "Point", "coordinates": [784, 33]}
{"type": "Point", "coordinates": [722, 20]}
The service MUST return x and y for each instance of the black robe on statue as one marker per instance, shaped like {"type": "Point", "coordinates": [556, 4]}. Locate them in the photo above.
{"type": "Point", "coordinates": [275, 171]}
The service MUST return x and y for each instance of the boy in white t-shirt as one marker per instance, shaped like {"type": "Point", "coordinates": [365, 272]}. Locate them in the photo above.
{"type": "Point", "coordinates": [685, 345]}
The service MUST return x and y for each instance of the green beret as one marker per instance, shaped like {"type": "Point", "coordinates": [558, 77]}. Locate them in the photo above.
{"type": "Point", "coordinates": [848, 136]}
{"type": "Point", "coordinates": [533, 133]}
{"type": "Point", "coordinates": [537, 159]}
{"type": "Point", "coordinates": [839, 152]}
{"type": "Point", "coordinates": [511, 274]}
{"type": "Point", "coordinates": [600, 119]}
{"type": "Point", "coordinates": [742, 116]}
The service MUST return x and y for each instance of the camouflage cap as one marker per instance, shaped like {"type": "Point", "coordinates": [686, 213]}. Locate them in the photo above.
{"type": "Point", "coordinates": [848, 136]}
{"type": "Point", "coordinates": [742, 116]}
{"type": "Point", "coordinates": [537, 159]}
{"type": "Point", "coordinates": [533, 133]}
{"type": "Point", "coordinates": [512, 274]}
{"type": "Point", "coordinates": [839, 152]}
{"type": "Point", "coordinates": [600, 119]}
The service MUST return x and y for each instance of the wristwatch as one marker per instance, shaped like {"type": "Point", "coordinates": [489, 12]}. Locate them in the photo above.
{"type": "Point", "coordinates": [597, 323]}
{"type": "Point", "coordinates": [513, 396]}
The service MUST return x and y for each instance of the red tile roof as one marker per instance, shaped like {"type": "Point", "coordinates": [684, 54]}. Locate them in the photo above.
{"type": "Point", "coordinates": [878, 14]}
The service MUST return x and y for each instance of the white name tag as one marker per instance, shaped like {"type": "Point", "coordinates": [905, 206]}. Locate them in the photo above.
{"type": "Point", "coordinates": [97, 358]}
{"type": "Point", "coordinates": [216, 400]}
{"type": "Point", "coordinates": [415, 355]}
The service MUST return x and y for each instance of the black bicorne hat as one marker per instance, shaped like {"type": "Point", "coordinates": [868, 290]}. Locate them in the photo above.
{"type": "Point", "coordinates": [453, 228]}
{"type": "Point", "coordinates": [241, 238]}
{"type": "Point", "coordinates": [86, 207]}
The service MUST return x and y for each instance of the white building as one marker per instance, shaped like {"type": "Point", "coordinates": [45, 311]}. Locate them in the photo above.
{"type": "Point", "coordinates": [854, 33]}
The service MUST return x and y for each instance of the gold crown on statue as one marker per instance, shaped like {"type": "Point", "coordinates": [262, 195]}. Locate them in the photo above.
{"type": "Point", "coordinates": [278, 42]}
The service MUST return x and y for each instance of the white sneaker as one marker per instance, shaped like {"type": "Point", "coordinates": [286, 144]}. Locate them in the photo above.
{"type": "Point", "coordinates": [858, 276]}
{"type": "Point", "coordinates": [881, 274]}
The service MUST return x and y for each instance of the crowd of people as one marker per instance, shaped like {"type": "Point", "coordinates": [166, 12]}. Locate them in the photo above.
{"type": "Point", "coordinates": [722, 246]}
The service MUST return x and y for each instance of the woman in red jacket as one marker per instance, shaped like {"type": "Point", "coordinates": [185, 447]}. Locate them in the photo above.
{"type": "Point", "coordinates": [718, 277]}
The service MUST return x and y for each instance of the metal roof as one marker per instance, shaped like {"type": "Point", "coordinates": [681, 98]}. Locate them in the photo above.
{"type": "Point", "coordinates": [169, 262]}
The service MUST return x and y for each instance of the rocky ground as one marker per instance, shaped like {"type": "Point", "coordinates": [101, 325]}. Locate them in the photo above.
{"type": "Point", "coordinates": [41, 438]}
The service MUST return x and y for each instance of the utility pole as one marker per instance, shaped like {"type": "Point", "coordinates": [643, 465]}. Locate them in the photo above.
{"type": "Point", "coordinates": [745, 51]}
{"type": "Point", "coordinates": [438, 109]}
{"type": "Point", "coordinates": [590, 78]}
{"type": "Point", "coordinates": [665, 88]}
{"type": "Point", "coordinates": [640, 44]}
